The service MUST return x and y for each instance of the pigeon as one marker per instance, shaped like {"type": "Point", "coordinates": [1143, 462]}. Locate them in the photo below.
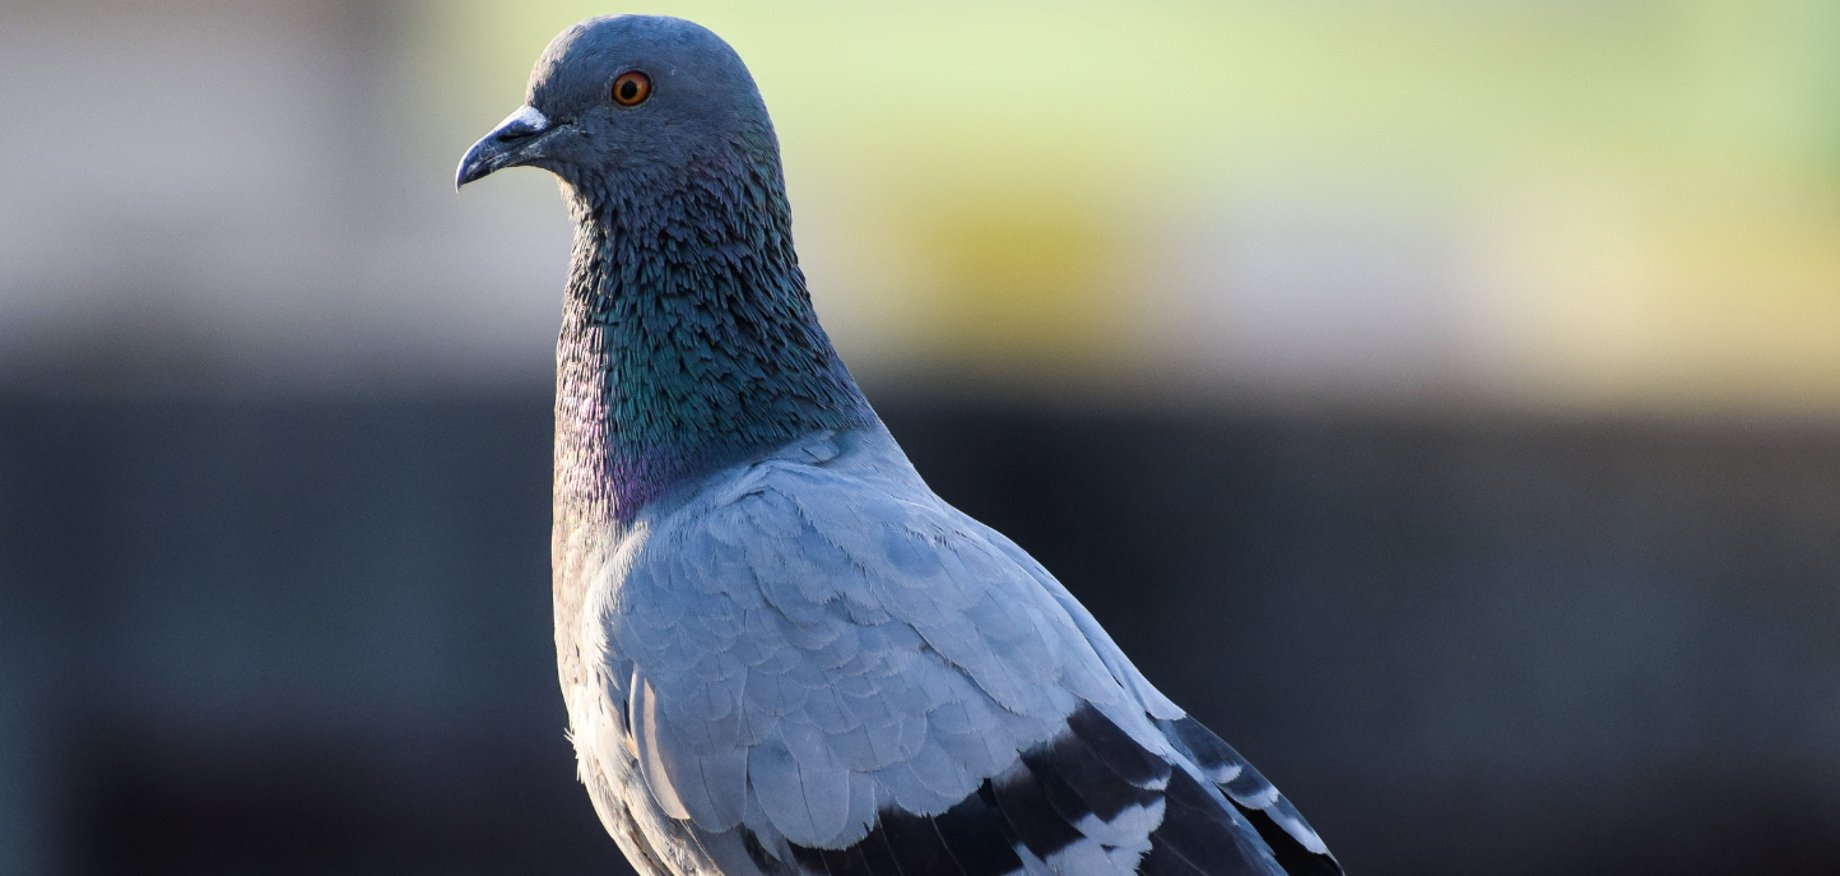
{"type": "Point", "coordinates": [780, 652]}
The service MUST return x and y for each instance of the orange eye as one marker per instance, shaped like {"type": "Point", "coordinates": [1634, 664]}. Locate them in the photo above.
{"type": "Point", "coordinates": [631, 88]}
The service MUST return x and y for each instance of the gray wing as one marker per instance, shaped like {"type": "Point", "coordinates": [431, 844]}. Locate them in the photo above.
{"type": "Point", "coordinates": [833, 672]}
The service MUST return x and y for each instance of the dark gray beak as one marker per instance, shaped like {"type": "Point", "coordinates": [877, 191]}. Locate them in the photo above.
{"type": "Point", "coordinates": [509, 145]}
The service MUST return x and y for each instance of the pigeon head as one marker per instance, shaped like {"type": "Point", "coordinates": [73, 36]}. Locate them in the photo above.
{"type": "Point", "coordinates": [688, 338]}
{"type": "Point", "coordinates": [617, 103]}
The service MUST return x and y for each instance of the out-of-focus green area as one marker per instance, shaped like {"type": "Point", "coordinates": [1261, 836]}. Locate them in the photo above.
{"type": "Point", "coordinates": [1617, 206]}
{"type": "Point", "coordinates": [1574, 204]}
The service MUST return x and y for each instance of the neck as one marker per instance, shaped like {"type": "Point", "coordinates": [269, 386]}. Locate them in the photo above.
{"type": "Point", "coordinates": [688, 341]}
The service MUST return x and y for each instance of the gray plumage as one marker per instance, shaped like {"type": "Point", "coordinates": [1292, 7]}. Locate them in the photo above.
{"type": "Point", "coordinates": [780, 651]}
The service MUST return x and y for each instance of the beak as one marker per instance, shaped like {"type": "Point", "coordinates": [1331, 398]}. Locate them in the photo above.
{"type": "Point", "coordinates": [509, 145]}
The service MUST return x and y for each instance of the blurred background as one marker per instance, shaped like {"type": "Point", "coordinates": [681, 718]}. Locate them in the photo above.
{"type": "Point", "coordinates": [1442, 400]}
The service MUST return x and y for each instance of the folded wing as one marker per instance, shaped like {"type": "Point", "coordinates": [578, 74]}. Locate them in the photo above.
{"type": "Point", "coordinates": [834, 672]}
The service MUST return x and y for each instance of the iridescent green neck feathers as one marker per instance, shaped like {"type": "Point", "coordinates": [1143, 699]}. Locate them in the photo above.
{"type": "Point", "coordinates": [689, 342]}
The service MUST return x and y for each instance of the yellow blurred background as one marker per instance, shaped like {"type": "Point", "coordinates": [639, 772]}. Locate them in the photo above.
{"type": "Point", "coordinates": [1626, 206]}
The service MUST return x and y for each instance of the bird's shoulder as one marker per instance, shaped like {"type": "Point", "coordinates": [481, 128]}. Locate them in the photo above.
{"type": "Point", "coordinates": [843, 519]}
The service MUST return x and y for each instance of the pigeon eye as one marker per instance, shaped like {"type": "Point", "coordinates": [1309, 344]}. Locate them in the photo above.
{"type": "Point", "coordinates": [631, 88]}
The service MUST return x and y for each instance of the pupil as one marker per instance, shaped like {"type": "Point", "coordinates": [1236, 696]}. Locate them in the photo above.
{"type": "Point", "coordinates": [628, 90]}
